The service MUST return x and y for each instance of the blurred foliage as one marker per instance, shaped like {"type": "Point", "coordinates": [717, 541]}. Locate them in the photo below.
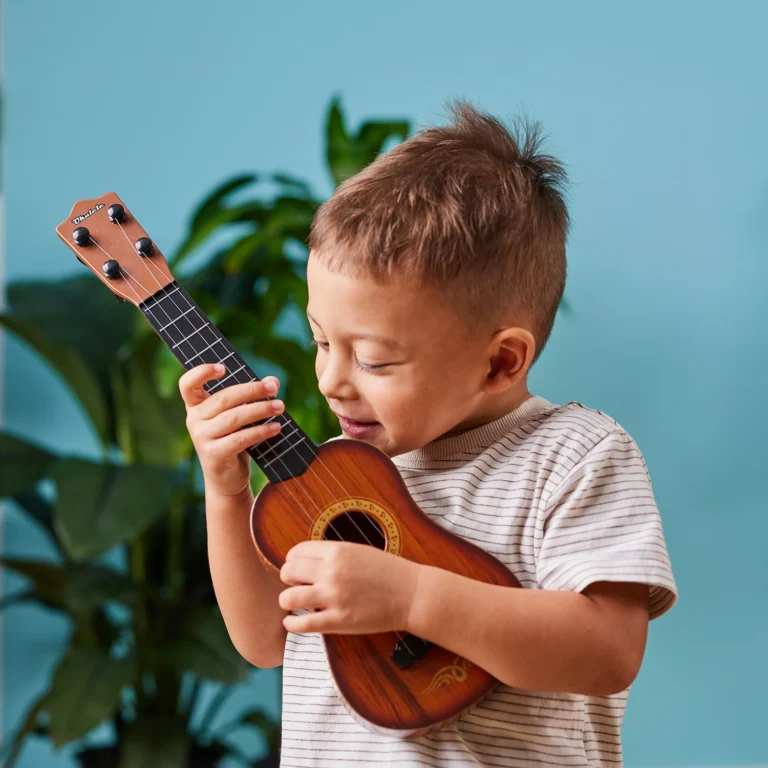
{"type": "Point", "coordinates": [147, 637]}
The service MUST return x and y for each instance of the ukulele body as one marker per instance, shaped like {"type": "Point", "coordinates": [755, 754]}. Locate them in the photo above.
{"type": "Point", "coordinates": [355, 490]}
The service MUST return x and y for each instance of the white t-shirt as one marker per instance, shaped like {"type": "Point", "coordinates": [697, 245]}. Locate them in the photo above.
{"type": "Point", "coordinates": [561, 495]}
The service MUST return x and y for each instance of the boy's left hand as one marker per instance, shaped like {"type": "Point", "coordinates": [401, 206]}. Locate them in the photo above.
{"type": "Point", "coordinates": [359, 589]}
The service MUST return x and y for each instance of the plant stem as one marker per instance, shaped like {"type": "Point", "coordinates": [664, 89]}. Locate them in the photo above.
{"type": "Point", "coordinates": [140, 618]}
{"type": "Point", "coordinates": [138, 564]}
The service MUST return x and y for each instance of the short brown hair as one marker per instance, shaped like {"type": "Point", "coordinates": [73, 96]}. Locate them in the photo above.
{"type": "Point", "coordinates": [472, 208]}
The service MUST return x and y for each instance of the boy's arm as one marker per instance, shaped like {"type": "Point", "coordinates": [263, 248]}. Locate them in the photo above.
{"type": "Point", "coordinates": [246, 592]}
{"type": "Point", "coordinates": [590, 643]}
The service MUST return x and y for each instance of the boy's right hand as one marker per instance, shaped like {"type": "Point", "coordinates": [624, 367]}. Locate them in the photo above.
{"type": "Point", "coordinates": [215, 423]}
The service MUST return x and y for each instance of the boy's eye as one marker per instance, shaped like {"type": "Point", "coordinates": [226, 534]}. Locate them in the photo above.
{"type": "Point", "coordinates": [324, 345]}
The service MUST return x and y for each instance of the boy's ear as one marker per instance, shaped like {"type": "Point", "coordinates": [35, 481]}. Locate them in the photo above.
{"type": "Point", "coordinates": [510, 354]}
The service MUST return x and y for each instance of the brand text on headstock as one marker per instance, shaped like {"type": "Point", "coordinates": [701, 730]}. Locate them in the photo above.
{"type": "Point", "coordinates": [78, 219]}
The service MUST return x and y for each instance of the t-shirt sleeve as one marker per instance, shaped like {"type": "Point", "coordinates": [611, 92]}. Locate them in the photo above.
{"type": "Point", "coordinates": [601, 523]}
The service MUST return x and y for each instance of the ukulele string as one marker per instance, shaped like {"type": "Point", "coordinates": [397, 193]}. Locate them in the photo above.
{"type": "Point", "coordinates": [279, 456]}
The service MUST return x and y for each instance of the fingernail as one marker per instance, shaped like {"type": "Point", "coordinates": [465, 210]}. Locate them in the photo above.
{"type": "Point", "coordinates": [277, 405]}
{"type": "Point", "coordinates": [270, 385]}
{"type": "Point", "coordinates": [221, 368]}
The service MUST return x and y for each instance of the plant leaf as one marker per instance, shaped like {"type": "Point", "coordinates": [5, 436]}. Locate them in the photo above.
{"type": "Point", "coordinates": [212, 203]}
{"type": "Point", "coordinates": [89, 586]}
{"type": "Point", "coordinates": [95, 331]}
{"type": "Point", "coordinates": [202, 646]}
{"type": "Point", "coordinates": [100, 505]}
{"type": "Point", "coordinates": [72, 368]}
{"type": "Point", "coordinates": [296, 186]}
{"type": "Point", "coordinates": [157, 424]}
{"type": "Point", "coordinates": [40, 511]}
{"type": "Point", "coordinates": [28, 726]}
{"type": "Point", "coordinates": [290, 217]}
{"type": "Point", "coordinates": [347, 155]}
{"type": "Point", "coordinates": [77, 312]}
{"type": "Point", "coordinates": [79, 589]}
{"type": "Point", "coordinates": [374, 134]}
{"type": "Point", "coordinates": [337, 144]}
{"type": "Point", "coordinates": [252, 211]}
{"type": "Point", "coordinates": [22, 464]}
{"type": "Point", "coordinates": [267, 726]}
{"type": "Point", "coordinates": [85, 691]}
{"type": "Point", "coordinates": [49, 578]}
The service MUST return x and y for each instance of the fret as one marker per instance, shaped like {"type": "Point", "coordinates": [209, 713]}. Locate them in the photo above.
{"type": "Point", "coordinates": [282, 436]}
{"type": "Point", "coordinates": [219, 382]}
{"type": "Point", "coordinates": [193, 340]}
{"type": "Point", "coordinates": [191, 334]}
{"type": "Point", "coordinates": [210, 346]}
{"type": "Point", "coordinates": [191, 309]}
{"type": "Point", "coordinates": [277, 457]}
{"type": "Point", "coordinates": [161, 297]}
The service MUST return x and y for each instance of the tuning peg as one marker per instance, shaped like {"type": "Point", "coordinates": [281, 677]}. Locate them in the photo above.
{"type": "Point", "coordinates": [111, 269]}
{"type": "Point", "coordinates": [144, 246]}
{"type": "Point", "coordinates": [116, 213]}
{"type": "Point", "coordinates": [81, 236]}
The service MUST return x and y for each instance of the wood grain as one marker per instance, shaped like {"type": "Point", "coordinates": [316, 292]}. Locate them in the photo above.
{"type": "Point", "coordinates": [440, 685]}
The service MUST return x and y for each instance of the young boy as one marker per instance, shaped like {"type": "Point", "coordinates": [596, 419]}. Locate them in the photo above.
{"type": "Point", "coordinates": [434, 278]}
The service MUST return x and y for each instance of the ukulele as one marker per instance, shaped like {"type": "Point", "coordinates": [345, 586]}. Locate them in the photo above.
{"type": "Point", "coordinates": [344, 490]}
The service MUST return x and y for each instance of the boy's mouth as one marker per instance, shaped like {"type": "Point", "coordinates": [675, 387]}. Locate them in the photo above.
{"type": "Point", "coordinates": [357, 428]}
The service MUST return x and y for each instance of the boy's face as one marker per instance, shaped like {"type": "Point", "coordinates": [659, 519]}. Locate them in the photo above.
{"type": "Point", "coordinates": [428, 372]}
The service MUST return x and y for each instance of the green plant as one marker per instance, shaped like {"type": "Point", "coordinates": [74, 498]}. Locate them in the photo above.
{"type": "Point", "coordinates": [146, 637]}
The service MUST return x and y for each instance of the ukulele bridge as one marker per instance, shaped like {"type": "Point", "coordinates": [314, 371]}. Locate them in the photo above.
{"type": "Point", "coordinates": [408, 650]}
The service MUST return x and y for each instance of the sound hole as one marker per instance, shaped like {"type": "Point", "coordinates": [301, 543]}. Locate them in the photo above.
{"type": "Point", "coordinates": [356, 527]}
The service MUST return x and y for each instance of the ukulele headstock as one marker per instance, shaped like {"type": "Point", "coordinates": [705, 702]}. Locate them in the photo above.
{"type": "Point", "coordinates": [105, 236]}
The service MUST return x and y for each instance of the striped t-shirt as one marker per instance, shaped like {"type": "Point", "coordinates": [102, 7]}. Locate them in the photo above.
{"type": "Point", "coordinates": [561, 495]}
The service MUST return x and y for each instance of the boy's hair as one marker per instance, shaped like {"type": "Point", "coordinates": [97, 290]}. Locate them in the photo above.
{"type": "Point", "coordinates": [472, 209]}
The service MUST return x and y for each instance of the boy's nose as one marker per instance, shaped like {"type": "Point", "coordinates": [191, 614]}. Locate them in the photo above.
{"type": "Point", "coordinates": [334, 384]}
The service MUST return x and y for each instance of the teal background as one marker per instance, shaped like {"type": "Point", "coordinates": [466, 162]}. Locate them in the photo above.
{"type": "Point", "coordinates": [659, 110]}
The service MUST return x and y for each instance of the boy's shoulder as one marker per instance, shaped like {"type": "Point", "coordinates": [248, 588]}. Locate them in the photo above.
{"type": "Point", "coordinates": [577, 422]}
{"type": "Point", "coordinates": [556, 441]}
{"type": "Point", "coordinates": [571, 441]}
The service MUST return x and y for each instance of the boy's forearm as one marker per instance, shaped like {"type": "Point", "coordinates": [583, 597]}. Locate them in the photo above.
{"type": "Point", "coordinates": [245, 590]}
{"type": "Point", "coordinates": [531, 639]}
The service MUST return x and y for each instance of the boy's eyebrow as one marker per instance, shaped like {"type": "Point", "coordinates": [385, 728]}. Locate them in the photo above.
{"type": "Point", "coordinates": [369, 336]}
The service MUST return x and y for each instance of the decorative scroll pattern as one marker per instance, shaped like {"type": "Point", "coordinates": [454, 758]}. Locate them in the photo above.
{"type": "Point", "coordinates": [453, 673]}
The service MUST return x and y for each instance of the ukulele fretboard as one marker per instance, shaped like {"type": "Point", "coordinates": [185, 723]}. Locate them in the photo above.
{"type": "Point", "coordinates": [194, 340]}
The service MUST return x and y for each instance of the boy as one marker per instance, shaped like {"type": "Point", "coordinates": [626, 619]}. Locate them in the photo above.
{"type": "Point", "coordinates": [434, 278]}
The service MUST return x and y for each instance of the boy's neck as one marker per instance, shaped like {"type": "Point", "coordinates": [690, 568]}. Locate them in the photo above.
{"type": "Point", "coordinates": [493, 410]}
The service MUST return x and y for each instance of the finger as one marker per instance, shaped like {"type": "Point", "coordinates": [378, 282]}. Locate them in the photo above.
{"type": "Point", "coordinates": [298, 598]}
{"type": "Point", "coordinates": [317, 621]}
{"type": "Point", "coordinates": [191, 382]}
{"type": "Point", "coordinates": [250, 414]}
{"type": "Point", "coordinates": [242, 439]}
{"type": "Point", "coordinates": [301, 570]}
{"type": "Point", "coordinates": [239, 394]}
{"type": "Point", "coordinates": [313, 549]}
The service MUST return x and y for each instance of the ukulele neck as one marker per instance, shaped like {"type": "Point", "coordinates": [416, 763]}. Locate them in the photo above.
{"type": "Point", "coordinates": [194, 339]}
